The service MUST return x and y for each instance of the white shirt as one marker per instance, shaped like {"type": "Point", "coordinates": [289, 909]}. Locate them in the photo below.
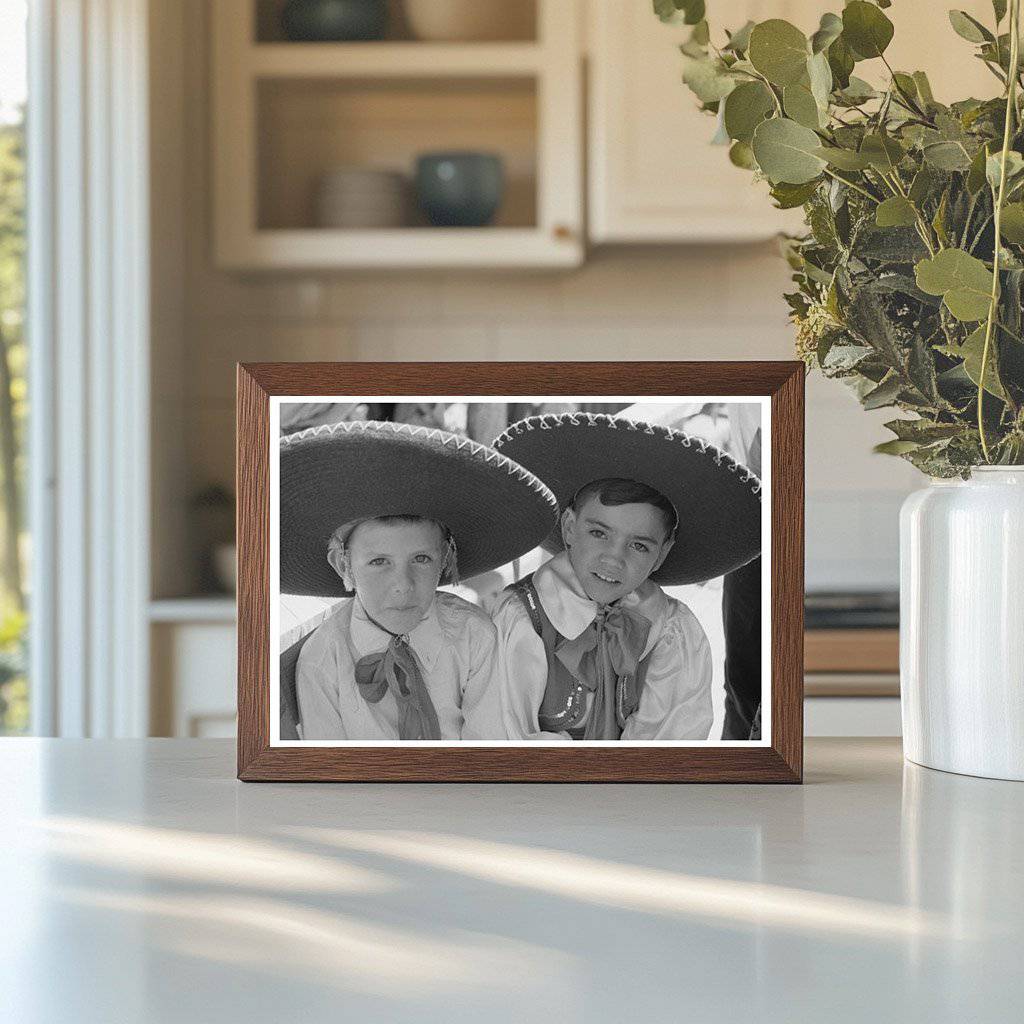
{"type": "Point", "coordinates": [675, 703]}
{"type": "Point", "coordinates": [455, 645]}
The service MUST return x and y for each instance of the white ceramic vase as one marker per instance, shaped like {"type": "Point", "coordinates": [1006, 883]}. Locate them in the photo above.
{"type": "Point", "coordinates": [962, 624]}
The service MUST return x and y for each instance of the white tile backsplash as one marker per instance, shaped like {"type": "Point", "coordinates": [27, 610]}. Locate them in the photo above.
{"type": "Point", "coordinates": [670, 303]}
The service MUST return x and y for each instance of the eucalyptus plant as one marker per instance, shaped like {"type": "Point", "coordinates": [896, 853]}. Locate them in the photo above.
{"type": "Point", "coordinates": [902, 291]}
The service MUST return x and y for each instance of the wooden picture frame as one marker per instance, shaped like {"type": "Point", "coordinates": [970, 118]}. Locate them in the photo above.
{"type": "Point", "coordinates": [780, 759]}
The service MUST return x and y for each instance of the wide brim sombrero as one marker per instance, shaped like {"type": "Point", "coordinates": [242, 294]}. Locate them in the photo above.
{"type": "Point", "coordinates": [343, 472]}
{"type": "Point", "coordinates": [717, 498]}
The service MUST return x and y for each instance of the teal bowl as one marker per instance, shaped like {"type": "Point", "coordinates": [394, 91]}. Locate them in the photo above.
{"type": "Point", "coordinates": [460, 189]}
{"type": "Point", "coordinates": [334, 21]}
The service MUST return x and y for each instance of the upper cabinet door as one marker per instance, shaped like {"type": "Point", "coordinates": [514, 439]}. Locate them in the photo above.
{"type": "Point", "coordinates": [654, 175]}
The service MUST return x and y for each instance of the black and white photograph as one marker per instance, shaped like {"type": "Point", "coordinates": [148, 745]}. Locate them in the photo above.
{"type": "Point", "coordinates": [529, 570]}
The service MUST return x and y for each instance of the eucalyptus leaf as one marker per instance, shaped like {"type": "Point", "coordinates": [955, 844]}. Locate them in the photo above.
{"type": "Point", "coordinates": [882, 151]}
{"type": "Point", "coordinates": [708, 80]}
{"type": "Point", "coordinates": [690, 12]}
{"type": "Point", "coordinates": [857, 91]}
{"type": "Point", "coordinates": [922, 430]}
{"type": "Point", "coordinates": [976, 174]}
{"type": "Point", "coordinates": [1011, 225]}
{"type": "Point", "coordinates": [921, 370]}
{"type": "Point", "coordinates": [963, 281]}
{"type": "Point", "coordinates": [739, 41]}
{"type": "Point", "coordinates": [779, 51]}
{"type": "Point", "coordinates": [993, 167]}
{"type": "Point", "coordinates": [947, 156]}
{"type": "Point", "coordinates": [721, 136]}
{"type": "Point", "coordinates": [969, 28]}
{"type": "Point", "coordinates": [842, 358]}
{"type": "Point", "coordinates": [924, 88]}
{"type": "Point", "coordinates": [896, 211]}
{"type": "Point", "coordinates": [841, 62]}
{"type": "Point", "coordinates": [882, 395]}
{"type": "Point", "coordinates": [745, 108]}
{"type": "Point", "coordinates": [906, 84]}
{"type": "Point", "coordinates": [800, 105]}
{"type": "Point", "coordinates": [741, 155]}
{"type": "Point", "coordinates": [819, 74]}
{"type": "Point", "coordinates": [788, 196]}
{"type": "Point", "coordinates": [845, 159]}
{"type": "Point", "coordinates": [666, 10]}
{"type": "Point", "coordinates": [939, 220]}
{"type": "Point", "coordinates": [829, 30]}
{"type": "Point", "coordinates": [786, 151]}
{"type": "Point", "coordinates": [895, 447]}
{"type": "Point", "coordinates": [922, 185]}
{"type": "Point", "coordinates": [972, 351]}
{"type": "Point", "coordinates": [898, 323]}
{"type": "Point", "coordinates": [866, 29]}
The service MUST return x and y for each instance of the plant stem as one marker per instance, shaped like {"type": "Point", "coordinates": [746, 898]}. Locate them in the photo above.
{"type": "Point", "coordinates": [1011, 107]}
{"type": "Point", "coordinates": [853, 185]}
{"type": "Point", "coordinates": [907, 99]}
{"type": "Point", "coordinates": [771, 92]}
{"type": "Point", "coordinates": [981, 231]}
{"type": "Point", "coordinates": [1012, 334]}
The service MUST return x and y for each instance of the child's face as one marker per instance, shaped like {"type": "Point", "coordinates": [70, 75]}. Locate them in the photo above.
{"type": "Point", "coordinates": [614, 548]}
{"type": "Point", "coordinates": [396, 568]}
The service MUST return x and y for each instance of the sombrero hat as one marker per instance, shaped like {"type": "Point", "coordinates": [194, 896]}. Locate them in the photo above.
{"type": "Point", "coordinates": [717, 498]}
{"type": "Point", "coordinates": [343, 472]}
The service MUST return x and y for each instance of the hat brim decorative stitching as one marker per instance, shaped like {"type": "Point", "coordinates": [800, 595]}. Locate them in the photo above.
{"type": "Point", "coordinates": [718, 499]}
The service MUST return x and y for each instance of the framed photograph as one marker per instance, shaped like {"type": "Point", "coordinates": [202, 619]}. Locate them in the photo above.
{"type": "Point", "coordinates": [564, 572]}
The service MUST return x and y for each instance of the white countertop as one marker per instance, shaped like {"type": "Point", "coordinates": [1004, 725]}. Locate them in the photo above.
{"type": "Point", "coordinates": [140, 882]}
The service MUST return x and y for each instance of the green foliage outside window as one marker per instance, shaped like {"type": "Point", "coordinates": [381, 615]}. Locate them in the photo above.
{"type": "Point", "coordinates": [13, 413]}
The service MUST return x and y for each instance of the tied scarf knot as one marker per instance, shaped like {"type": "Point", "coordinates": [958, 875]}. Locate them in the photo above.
{"type": "Point", "coordinates": [604, 658]}
{"type": "Point", "coordinates": [396, 669]}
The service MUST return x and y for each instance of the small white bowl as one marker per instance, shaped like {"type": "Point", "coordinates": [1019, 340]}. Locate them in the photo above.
{"type": "Point", "coordinates": [470, 20]}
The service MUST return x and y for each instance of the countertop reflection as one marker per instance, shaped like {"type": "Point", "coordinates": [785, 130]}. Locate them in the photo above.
{"type": "Point", "coordinates": [140, 882]}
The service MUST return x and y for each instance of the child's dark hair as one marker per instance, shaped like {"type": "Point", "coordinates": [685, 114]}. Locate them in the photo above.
{"type": "Point", "coordinates": [616, 491]}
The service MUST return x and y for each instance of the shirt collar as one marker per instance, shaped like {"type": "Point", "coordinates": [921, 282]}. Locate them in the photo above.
{"type": "Point", "coordinates": [426, 639]}
{"type": "Point", "coordinates": [571, 611]}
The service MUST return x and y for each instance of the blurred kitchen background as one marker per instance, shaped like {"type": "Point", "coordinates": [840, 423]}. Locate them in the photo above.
{"type": "Point", "coordinates": [471, 179]}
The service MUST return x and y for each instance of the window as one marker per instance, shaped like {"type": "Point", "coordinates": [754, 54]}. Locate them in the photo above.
{"type": "Point", "coordinates": [14, 691]}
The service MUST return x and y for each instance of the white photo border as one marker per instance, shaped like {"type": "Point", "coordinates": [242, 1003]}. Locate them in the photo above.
{"type": "Point", "coordinates": [274, 639]}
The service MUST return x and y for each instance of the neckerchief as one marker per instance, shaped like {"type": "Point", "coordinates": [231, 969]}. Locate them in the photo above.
{"type": "Point", "coordinates": [397, 669]}
{"type": "Point", "coordinates": [604, 655]}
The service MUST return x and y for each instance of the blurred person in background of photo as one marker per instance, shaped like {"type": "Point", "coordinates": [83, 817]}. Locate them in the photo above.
{"type": "Point", "coordinates": [741, 599]}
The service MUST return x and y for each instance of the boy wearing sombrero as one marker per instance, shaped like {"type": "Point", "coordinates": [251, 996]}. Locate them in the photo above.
{"type": "Point", "coordinates": [386, 513]}
{"type": "Point", "coordinates": [591, 647]}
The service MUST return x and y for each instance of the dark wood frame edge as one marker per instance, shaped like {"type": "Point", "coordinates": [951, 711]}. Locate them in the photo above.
{"type": "Point", "coordinates": [781, 762]}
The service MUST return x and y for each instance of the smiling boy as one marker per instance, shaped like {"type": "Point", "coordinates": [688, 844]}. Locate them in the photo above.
{"type": "Point", "coordinates": [590, 646]}
{"type": "Point", "coordinates": [383, 514]}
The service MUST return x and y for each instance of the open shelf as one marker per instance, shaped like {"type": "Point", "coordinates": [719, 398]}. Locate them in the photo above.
{"type": "Point", "coordinates": [286, 114]}
{"type": "Point", "coordinates": [519, 23]}
{"type": "Point", "coordinates": [387, 60]}
{"type": "Point", "coordinates": [308, 127]}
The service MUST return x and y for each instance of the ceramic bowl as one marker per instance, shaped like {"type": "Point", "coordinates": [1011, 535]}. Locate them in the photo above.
{"type": "Point", "coordinates": [459, 189]}
{"type": "Point", "coordinates": [332, 21]}
{"type": "Point", "coordinates": [470, 20]}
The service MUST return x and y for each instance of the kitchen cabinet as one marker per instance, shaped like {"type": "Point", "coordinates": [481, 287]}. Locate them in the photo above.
{"type": "Point", "coordinates": [194, 646]}
{"type": "Point", "coordinates": [285, 114]}
{"type": "Point", "coordinates": [653, 175]}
